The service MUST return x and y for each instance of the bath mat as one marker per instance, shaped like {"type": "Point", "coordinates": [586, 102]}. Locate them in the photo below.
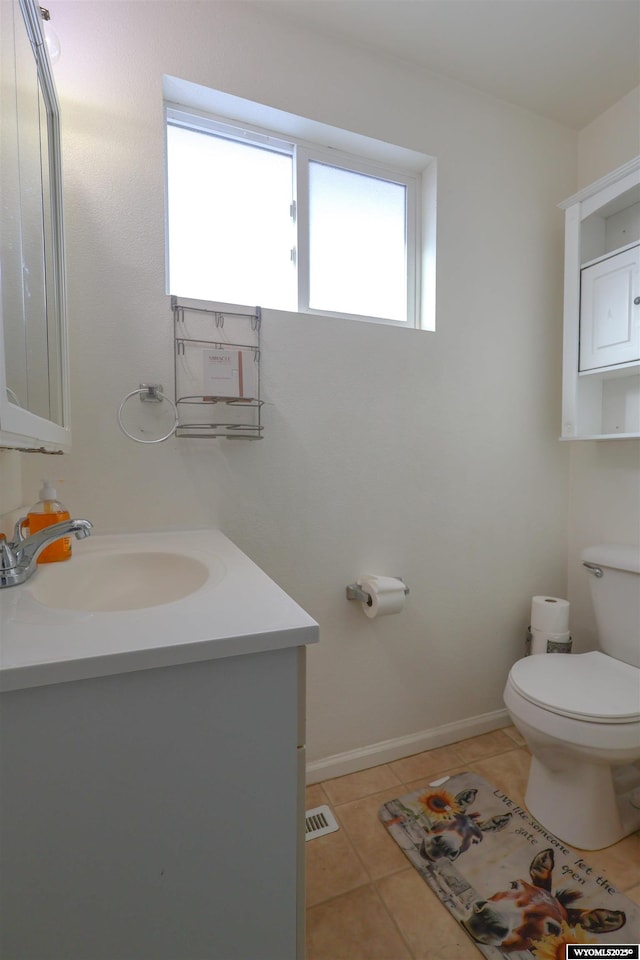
{"type": "Point", "coordinates": [515, 889]}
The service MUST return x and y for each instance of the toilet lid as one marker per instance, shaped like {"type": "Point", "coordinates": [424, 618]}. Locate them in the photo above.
{"type": "Point", "coordinates": [585, 686]}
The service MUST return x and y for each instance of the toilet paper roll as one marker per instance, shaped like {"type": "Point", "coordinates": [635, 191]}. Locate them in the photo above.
{"type": "Point", "coordinates": [550, 614]}
{"type": "Point", "coordinates": [543, 642]}
{"type": "Point", "coordinates": [386, 593]}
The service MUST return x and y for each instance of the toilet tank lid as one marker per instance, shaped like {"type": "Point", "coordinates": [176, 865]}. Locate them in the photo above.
{"type": "Point", "coordinates": [618, 556]}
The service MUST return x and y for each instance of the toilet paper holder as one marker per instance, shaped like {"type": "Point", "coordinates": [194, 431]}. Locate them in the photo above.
{"type": "Point", "coordinates": [355, 592]}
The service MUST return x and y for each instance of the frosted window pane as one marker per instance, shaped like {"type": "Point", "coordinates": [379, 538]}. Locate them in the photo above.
{"type": "Point", "coordinates": [357, 243]}
{"type": "Point", "coordinates": [230, 229]}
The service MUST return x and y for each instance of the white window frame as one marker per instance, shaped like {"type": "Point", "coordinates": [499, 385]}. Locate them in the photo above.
{"type": "Point", "coordinates": [420, 202]}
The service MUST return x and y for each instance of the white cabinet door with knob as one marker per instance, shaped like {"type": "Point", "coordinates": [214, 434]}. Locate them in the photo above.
{"type": "Point", "coordinates": [610, 311]}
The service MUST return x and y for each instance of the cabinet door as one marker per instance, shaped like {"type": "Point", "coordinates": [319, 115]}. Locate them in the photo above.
{"type": "Point", "coordinates": [34, 380]}
{"type": "Point", "coordinates": [609, 317]}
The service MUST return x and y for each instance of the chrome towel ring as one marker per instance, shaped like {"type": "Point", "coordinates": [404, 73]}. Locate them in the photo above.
{"type": "Point", "coordinates": [149, 393]}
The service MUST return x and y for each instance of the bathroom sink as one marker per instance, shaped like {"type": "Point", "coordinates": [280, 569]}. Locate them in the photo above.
{"type": "Point", "coordinates": [108, 582]}
{"type": "Point", "coordinates": [136, 601]}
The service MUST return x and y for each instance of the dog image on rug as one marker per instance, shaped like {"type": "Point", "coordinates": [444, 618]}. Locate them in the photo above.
{"type": "Point", "coordinates": [512, 886]}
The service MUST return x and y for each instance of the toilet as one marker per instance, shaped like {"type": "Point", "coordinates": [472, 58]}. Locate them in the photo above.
{"type": "Point", "coordinates": [580, 714]}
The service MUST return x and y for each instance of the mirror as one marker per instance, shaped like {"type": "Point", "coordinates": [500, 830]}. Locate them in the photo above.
{"type": "Point", "coordinates": [34, 402]}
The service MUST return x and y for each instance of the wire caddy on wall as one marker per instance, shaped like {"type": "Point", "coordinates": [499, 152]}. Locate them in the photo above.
{"type": "Point", "coordinates": [217, 368]}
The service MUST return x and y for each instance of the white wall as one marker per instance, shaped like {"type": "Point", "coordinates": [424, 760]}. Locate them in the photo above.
{"type": "Point", "coordinates": [10, 482]}
{"type": "Point", "coordinates": [610, 140]}
{"type": "Point", "coordinates": [605, 475]}
{"type": "Point", "coordinates": [430, 456]}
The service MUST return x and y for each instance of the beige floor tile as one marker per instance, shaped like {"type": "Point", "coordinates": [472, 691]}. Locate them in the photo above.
{"type": "Point", "coordinates": [486, 745]}
{"type": "Point", "coordinates": [431, 763]}
{"type": "Point", "coordinates": [515, 735]}
{"type": "Point", "coordinates": [508, 771]}
{"type": "Point", "coordinates": [619, 863]}
{"type": "Point", "coordinates": [427, 926]}
{"type": "Point", "coordinates": [347, 919]}
{"type": "Point", "coordinates": [315, 796]}
{"type": "Point", "coordinates": [354, 927]}
{"type": "Point", "coordinates": [378, 851]}
{"type": "Point", "coordinates": [332, 867]}
{"type": "Point", "coordinates": [354, 786]}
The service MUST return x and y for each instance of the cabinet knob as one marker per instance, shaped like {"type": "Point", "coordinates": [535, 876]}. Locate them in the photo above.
{"type": "Point", "coordinates": [637, 301]}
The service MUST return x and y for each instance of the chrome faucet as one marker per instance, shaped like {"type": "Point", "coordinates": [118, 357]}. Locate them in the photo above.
{"type": "Point", "coordinates": [18, 557]}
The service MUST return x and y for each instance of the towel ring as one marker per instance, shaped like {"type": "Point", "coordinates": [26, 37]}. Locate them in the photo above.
{"type": "Point", "coordinates": [149, 392]}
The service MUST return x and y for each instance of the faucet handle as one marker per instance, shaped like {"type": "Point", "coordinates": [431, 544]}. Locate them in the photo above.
{"type": "Point", "coordinates": [7, 556]}
{"type": "Point", "coordinates": [18, 532]}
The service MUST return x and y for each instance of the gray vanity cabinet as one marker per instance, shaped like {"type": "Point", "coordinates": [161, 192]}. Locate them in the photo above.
{"type": "Point", "coordinates": [156, 814]}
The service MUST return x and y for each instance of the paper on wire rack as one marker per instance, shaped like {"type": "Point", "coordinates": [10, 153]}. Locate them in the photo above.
{"type": "Point", "coordinates": [229, 373]}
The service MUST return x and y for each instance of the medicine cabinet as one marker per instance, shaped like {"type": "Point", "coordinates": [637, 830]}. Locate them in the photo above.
{"type": "Point", "coordinates": [601, 351]}
{"type": "Point", "coordinates": [34, 398]}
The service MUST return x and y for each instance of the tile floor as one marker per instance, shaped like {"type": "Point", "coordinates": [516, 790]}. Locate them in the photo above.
{"type": "Point", "coordinates": [364, 899]}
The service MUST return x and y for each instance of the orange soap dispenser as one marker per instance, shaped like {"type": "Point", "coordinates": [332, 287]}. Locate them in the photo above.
{"type": "Point", "coordinates": [47, 511]}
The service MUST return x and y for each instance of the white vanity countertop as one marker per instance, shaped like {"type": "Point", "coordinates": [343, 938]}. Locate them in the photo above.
{"type": "Point", "coordinates": [237, 610]}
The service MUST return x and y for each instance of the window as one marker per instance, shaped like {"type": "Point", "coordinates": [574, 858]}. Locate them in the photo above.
{"type": "Point", "coordinates": [357, 243]}
{"type": "Point", "coordinates": [287, 224]}
{"type": "Point", "coordinates": [230, 227]}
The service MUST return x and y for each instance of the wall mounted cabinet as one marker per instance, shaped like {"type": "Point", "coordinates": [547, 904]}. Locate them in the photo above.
{"type": "Point", "coordinates": [34, 378]}
{"type": "Point", "coordinates": [609, 300]}
{"type": "Point", "coordinates": [601, 349]}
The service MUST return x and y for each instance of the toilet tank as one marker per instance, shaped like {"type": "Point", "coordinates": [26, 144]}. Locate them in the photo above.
{"type": "Point", "coordinates": [614, 582]}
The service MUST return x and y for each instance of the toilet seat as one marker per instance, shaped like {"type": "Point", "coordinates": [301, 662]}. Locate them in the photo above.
{"type": "Point", "coordinates": [591, 687]}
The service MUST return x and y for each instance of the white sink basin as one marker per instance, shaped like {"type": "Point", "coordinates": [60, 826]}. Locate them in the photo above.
{"type": "Point", "coordinates": [106, 582]}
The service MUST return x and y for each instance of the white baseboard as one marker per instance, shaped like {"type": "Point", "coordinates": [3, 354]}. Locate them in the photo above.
{"type": "Point", "coordinates": [370, 756]}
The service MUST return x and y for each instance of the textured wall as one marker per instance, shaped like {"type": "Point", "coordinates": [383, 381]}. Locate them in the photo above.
{"type": "Point", "coordinates": [431, 456]}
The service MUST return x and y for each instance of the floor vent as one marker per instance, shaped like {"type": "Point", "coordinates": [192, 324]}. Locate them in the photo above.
{"type": "Point", "coordinates": [319, 821]}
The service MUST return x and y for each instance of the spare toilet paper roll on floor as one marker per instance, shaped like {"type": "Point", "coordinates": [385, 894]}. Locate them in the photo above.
{"type": "Point", "coordinates": [550, 615]}
{"type": "Point", "coordinates": [387, 595]}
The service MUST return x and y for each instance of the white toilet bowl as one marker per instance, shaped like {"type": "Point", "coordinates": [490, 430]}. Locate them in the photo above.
{"type": "Point", "coordinates": [580, 717]}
